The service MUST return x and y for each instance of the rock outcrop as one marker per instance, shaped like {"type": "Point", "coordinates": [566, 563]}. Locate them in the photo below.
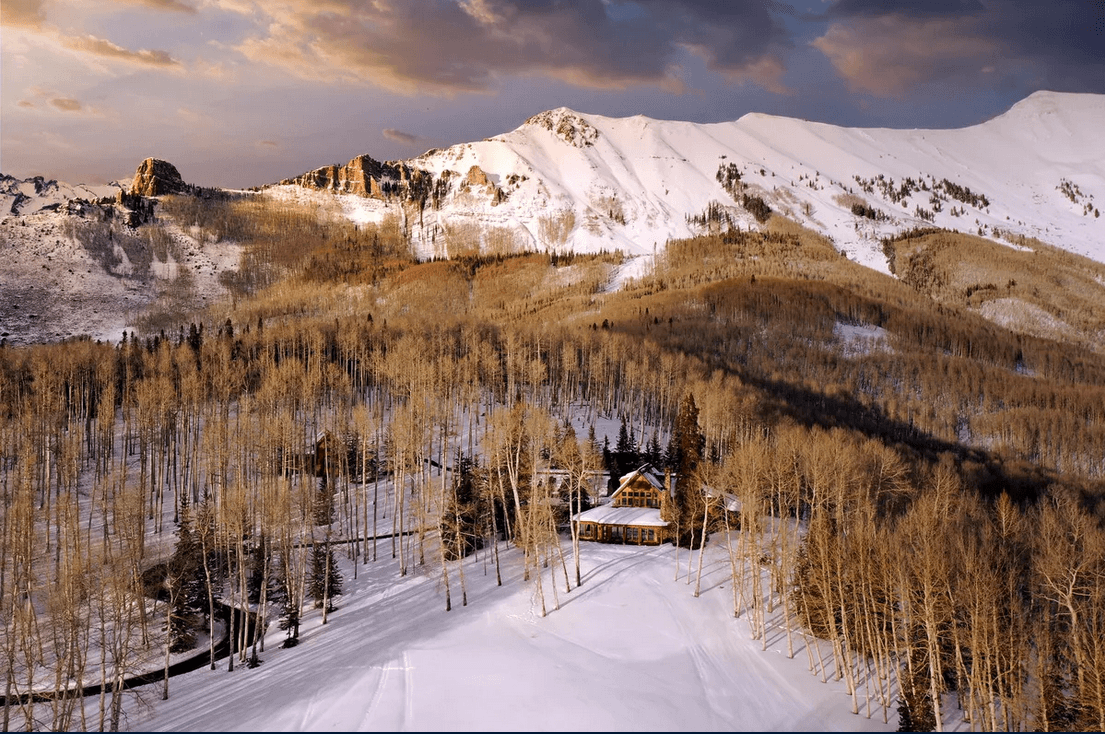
{"type": "Point", "coordinates": [156, 177]}
{"type": "Point", "coordinates": [566, 125]}
{"type": "Point", "coordinates": [366, 176]}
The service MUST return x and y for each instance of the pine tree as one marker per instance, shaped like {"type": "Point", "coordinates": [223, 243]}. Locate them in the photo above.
{"type": "Point", "coordinates": [625, 457]}
{"type": "Point", "coordinates": [286, 602]}
{"type": "Point", "coordinates": [625, 444]}
{"type": "Point", "coordinates": [459, 532]}
{"type": "Point", "coordinates": [685, 453]}
{"type": "Point", "coordinates": [258, 566]}
{"type": "Point", "coordinates": [326, 580]}
{"type": "Point", "coordinates": [653, 454]}
{"type": "Point", "coordinates": [186, 577]}
{"type": "Point", "coordinates": [324, 501]}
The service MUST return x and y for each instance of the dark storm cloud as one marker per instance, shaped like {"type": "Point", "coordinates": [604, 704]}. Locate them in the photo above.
{"type": "Point", "coordinates": [891, 48]}
{"type": "Point", "coordinates": [912, 8]}
{"type": "Point", "coordinates": [449, 46]}
{"type": "Point", "coordinates": [1066, 34]}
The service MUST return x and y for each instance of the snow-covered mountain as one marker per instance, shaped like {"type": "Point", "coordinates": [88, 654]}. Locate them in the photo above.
{"type": "Point", "coordinates": [565, 180]}
{"type": "Point", "coordinates": [568, 180]}
{"type": "Point", "coordinates": [31, 195]}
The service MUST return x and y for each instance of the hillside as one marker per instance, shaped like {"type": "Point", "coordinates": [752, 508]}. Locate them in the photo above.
{"type": "Point", "coordinates": [1030, 180]}
{"type": "Point", "coordinates": [633, 183]}
{"type": "Point", "coordinates": [862, 424]}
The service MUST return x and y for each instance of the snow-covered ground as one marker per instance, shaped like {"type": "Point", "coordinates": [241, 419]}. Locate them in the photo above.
{"type": "Point", "coordinates": [631, 183]}
{"type": "Point", "coordinates": [631, 649]}
{"type": "Point", "coordinates": [858, 340]}
{"type": "Point", "coordinates": [52, 287]}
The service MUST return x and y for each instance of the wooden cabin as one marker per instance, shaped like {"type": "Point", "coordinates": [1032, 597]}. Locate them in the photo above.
{"type": "Point", "coordinates": [633, 515]}
{"type": "Point", "coordinates": [324, 459]}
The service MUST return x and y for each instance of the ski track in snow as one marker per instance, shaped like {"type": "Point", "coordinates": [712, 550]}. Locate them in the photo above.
{"type": "Point", "coordinates": [630, 649]}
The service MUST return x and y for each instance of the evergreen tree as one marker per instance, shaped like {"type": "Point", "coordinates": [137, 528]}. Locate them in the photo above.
{"type": "Point", "coordinates": [285, 600]}
{"type": "Point", "coordinates": [625, 457]}
{"type": "Point", "coordinates": [625, 443]}
{"type": "Point", "coordinates": [653, 454]}
{"type": "Point", "coordinates": [326, 581]}
{"type": "Point", "coordinates": [324, 501]}
{"type": "Point", "coordinates": [685, 453]}
{"type": "Point", "coordinates": [187, 591]}
{"type": "Point", "coordinates": [459, 531]}
{"type": "Point", "coordinates": [258, 564]}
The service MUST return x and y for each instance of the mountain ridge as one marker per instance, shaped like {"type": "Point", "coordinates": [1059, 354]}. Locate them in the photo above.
{"type": "Point", "coordinates": [570, 181]}
{"type": "Point", "coordinates": [633, 183]}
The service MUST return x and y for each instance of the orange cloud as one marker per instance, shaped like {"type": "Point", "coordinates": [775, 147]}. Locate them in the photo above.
{"type": "Point", "coordinates": [892, 55]}
{"type": "Point", "coordinates": [22, 13]}
{"type": "Point", "coordinates": [170, 5]}
{"type": "Point", "coordinates": [106, 49]}
{"type": "Point", "coordinates": [67, 104]}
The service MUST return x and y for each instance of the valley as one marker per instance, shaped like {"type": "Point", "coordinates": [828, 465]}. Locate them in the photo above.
{"type": "Point", "coordinates": [872, 359]}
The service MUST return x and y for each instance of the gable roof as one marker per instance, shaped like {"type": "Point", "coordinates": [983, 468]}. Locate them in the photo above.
{"type": "Point", "coordinates": [645, 471]}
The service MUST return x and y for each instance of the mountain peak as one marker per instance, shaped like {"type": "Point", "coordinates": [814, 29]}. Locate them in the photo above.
{"type": "Point", "coordinates": [566, 124]}
{"type": "Point", "coordinates": [155, 177]}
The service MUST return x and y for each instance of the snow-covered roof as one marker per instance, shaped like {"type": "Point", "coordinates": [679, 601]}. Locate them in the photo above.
{"type": "Point", "coordinates": [646, 471]}
{"type": "Point", "coordinates": [730, 501]}
{"type": "Point", "coordinates": [610, 515]}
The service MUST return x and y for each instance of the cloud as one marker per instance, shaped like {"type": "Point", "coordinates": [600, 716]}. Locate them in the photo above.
{"type": "Point", "coordinates": [891, 48]}
{"type": "Point", "coordinates": [170, 5]}
{"type": "Point", "coordinates": [27, 104]}
{"type": "Point", "coordinates": [67, 104]}
{"type": "Point", "coordinates": [106, 49]}
{"type": "Point", "coordinates": [891, 56]}
{"type": "Point", "coordinates": [22, 13]}
{"type": "Point", "coordinates": [399, 136]}
{"type": "Point", "coordinates": [30, 14]}
{"type": "Point", "coordinates": [449, 46]}
{"type": "Point", "coordinates": [909, 8]}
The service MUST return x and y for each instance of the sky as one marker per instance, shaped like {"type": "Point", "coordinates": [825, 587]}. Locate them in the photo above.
{"type": "Point", "coordinates": [240, 93]}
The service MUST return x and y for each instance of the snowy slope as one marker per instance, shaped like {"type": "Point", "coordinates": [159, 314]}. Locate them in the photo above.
{"type": "Point", "coordinates": [631, 649]}
{"type": "Point", "coordinates": [53, 287]}
{"type": "Point", "coordinates": [631, 183]}
{"type": "Point", "coordinates": [30, 195]}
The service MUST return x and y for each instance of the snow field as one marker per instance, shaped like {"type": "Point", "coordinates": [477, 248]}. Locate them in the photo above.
{"type": "Point", "coordinates": [630, 649]}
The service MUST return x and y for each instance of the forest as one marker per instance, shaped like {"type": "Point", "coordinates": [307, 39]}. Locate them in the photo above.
{"type": "Point", "coordinates": [928, 501]}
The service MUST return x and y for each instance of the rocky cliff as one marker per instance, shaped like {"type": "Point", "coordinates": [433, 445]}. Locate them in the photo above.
{"type": "Point", "coordinates": [155, 177]}
{"type": "Point", "coordinates": [366, 176]}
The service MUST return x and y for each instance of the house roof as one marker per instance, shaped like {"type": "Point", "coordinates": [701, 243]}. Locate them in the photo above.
{"type": "Point", "coordinates": [730, 501]}
{"type": "Point", "coordinates": [610, 515]}
{"type": "Point", "coordinates": [647, 472]}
